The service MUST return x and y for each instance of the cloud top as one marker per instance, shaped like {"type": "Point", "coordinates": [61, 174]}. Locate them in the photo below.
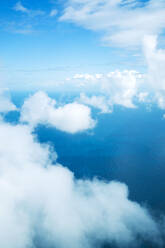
{"type": "Point", "coordinates": [44, 204]}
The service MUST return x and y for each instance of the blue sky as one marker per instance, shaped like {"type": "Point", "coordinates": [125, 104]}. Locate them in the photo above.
{"type": "Point", "coordinates": [35, 45]}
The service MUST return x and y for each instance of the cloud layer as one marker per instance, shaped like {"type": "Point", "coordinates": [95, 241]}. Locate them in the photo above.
{"type": "Point", "coordinates": [43, 205]}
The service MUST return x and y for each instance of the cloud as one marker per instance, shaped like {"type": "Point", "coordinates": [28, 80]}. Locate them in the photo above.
{"type": "Point", "coordinates": [98, 102]}
{"type": "Point", "coordinates": [43, 204]}
{"type": "Point", "coordinates": [53, 12]}
{"type": "Point", "coordinates": [114, 88]}
{"type": "Point", "coordinates": [28, 21]}
{"type": "Point", "coordinates": [122, 87]}
{"type": "Point", "coordinates": [142, 96]}
{"type": "Point", "coordinates": [5, 103]}
{"type": "Point", "coordinates": [20, 7]}
{"type": "Point", "coordinates": [72, 117]}
{"type": "Point", "coordinates": [123, 23]}
{"type": "Point", "coordinates": [32, 13]}
{"type": "Point", "coordinates": [155, 60]}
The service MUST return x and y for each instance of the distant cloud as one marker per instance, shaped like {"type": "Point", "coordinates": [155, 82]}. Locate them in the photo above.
{"type": "Point", "coordinates": [29, 20]}
{"type": "Point", "coordinates": [20, 7]}
{"type": "Point", "coordinates": [71, 118]}
{"type": "Point", "coordinates": [6, 104]}
{"type": "Point", "coordinates": [98, 102]}
{"type": "Point", "coordinates": [142, 96]}
{"type": "Point", "coordinates": [53, 12]}
{"type": "Point", "coordinates": [123, 23]}
{"type": "Point", "coordinates": [114, 88]}
{"type": "Point", "coordinates": [20, 29]}
{"type": "Point", "coordinates": [155, 59]}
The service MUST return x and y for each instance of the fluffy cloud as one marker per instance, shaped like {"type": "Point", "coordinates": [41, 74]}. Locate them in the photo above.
{"type": "Point", "coordinates": [124, 23]}
{"type": "Point", "coordinates": [72, 117]}
{"type": "Point", "coordinates": [122, 87]}
{"type": "Point", "coordinates": [5, 103]}
{"type": "Point", "coordinates": [98, 102]}
{"type": "Point", "coordinates": [155, 59]}
{"type": "Point", "coordinates": [127, 87]}
{"type": "Point", "coordinates": [114, 88]}
{"type": "Point", "coordinates": [44, 205]}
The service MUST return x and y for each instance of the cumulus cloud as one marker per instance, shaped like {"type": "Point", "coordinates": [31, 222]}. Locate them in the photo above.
{"type": "Point", "coordinates": [155, 59]}
{"type": "Point", "coordinates": [122, 87]}
{"type": "Point", "coordinates": [43, 205]}
{"type": "Point", "coordinates": [128, 87]}
{"type": "Point", "coordinates": [5, 103]}
{"type": "Point", "coordinates": [115, 88]}
{"type": "Point", "coordinates": [124, 23]}
{"type": "Point", "coordinates": [41, 109]}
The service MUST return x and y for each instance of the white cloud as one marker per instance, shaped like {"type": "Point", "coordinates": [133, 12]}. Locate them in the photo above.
{"type": "Point", "coordinates": [122, 87]}
{"type": "Point", "coordinates": [44, 204]}
{"type": "Point", "coordinates": [5, 103]}
{"type": "Point", "coordinates": [114, 88]}
{"type": "Point", "coordinates": [15, 148]}
{"type": "Point", "coordinates": [127, 87]}
{"type": "Point", "coordinates": [72, 117]}
{"type": "Point", "coordinates": [32, 13]}
{"type": "Point", "coordinates": [124, 23]}
{"type": "Point", "coordinates": [155, 59]}
{"type": "Point", "coordinates": [142, 96]}
{"type": "Point", "coordinates": [53, 12]}
{"type": "Point", "coordinates": [20, 7]}
{"type": "Point", "coordinates": [98, 102]}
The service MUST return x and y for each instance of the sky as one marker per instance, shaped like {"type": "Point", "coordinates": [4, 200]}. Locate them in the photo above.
{"type": "Point", "coordinates": [44, 43]}
{"type": "Point", "coordinates": [70, 64]}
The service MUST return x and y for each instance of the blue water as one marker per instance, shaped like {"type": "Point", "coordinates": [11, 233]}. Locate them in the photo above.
{"type": "Point", "coordinates": [127, 145]}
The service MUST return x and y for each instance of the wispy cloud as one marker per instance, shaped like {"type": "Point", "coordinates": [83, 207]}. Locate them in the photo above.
{"type": "Point", "coordinates": [20, 7]}
{"type": "Point", "coordinates": [28, 21]}
{"type": "Point", "coordinates": [32, 13]}
{"type": "Point", "coordinates": [124, 23]}
{"type": "Point", "coordinates": [53, 12]}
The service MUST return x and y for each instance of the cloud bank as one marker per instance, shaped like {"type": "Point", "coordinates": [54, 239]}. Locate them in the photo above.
{"type": "Point", "coordinates": [127, 88]}
{"type": "Point", "coordinates": [41, 109]}
{"type": "Point", "coordinates": [43, 205]}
